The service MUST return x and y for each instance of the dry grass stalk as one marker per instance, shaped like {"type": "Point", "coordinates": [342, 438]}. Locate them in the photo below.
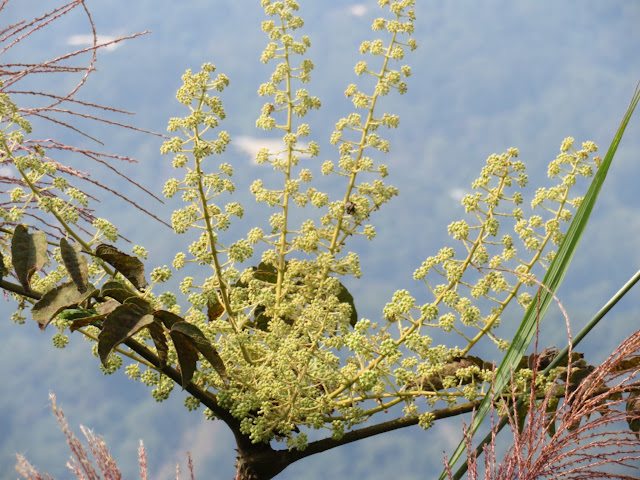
{"type": "Point", "coordinates": [58, 108]}
{"type": "Point", "coordinates": [80, 463]}
{"type": "Point", "coordinates": [592, 437]}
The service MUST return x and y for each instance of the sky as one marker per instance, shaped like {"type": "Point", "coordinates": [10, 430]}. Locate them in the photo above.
{"type": "Point", "coordinates": [486, 76]}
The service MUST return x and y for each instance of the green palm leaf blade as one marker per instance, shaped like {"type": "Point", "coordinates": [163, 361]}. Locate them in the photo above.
{"type": "Point", "coordinates": [552, 281]}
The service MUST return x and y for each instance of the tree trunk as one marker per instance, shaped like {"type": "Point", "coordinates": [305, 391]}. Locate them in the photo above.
{"type": "Point", "coordinates": [260, 462]}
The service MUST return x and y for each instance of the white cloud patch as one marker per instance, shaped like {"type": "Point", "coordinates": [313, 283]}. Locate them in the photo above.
{"type": "Point", "coordinates": [449, 435]}
{"type": "Point", "coordinates": [358, 10]}
{"type": "Point", "coordinates": [205, 440]}
{"type": "Point", "coordinates": [252, 145]}
{"type": "Point", "coordinates": [87, 40]}
{"type": "Point", "coordinates": [457, 193]}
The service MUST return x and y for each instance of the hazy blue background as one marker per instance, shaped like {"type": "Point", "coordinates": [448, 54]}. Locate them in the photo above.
{"type": "Point", "coordinates": [486, 76]}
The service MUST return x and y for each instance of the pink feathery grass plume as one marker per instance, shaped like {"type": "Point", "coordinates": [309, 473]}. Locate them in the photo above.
{"type": "Point", "coordinates": [30, 85]}
{"type": "Point", "coordinates": [577, 430]}
{"type": "Point", "coordinates": [80, 462]}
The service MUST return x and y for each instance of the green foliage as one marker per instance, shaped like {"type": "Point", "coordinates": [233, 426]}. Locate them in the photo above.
{"type": "Point", "coordinates": [76, 264]}
{"type": "Point", "coordinates": [28, 252]}
{"type": "Point", "coordinates": [130, 267]}
{"type": "Point", "coordinates": [57, 300]}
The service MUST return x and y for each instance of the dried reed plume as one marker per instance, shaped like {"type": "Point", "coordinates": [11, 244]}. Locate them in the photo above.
{"type": "Point", "coordinates": [80, 463]}
{"type": "Point", "coordinates": [592, 433]}
{"type": "Point", "coordinates": [63, 109]}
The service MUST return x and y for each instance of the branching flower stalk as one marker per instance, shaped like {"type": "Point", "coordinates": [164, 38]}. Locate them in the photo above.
{"type": "Point", "coordinates": [296, 309]}
{"type": "Point", "coordinates": [286, 104]}
{"type": "Point", "coordinates": [414, 374]}
{"type": "Point", "coordinates": [532, 240]}
{"type": "Point", "coordinates": [287, 47]}
{"type": "Point", "coordinates": [196, 87]}
{"type": "Point", "coordinates": [387, 79]}
{"type": "Point", "coordinates": [478, 254]}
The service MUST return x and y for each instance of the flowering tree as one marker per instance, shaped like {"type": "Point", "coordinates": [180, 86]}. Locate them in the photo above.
{"type": "Point", "coordinates": [262, 333]}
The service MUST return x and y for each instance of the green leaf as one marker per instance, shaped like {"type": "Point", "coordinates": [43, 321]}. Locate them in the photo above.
{"type": "Point", "coordinates": [105, 308]}
{"type": "Point", "coordinates": [552, 280]}
{"type": "Point", "coordinates": [187, 356]}
{"type": "Point", "coordinates": [183, 348]}
{"type": "Point", "coordinates": [117, 291]}
{"type": "Point", "coordinates": [550, 415]}
{"type": "Point", "coordinates": [627, 364]}
{"type": "Point", "coordinates": [101, 312]}
{"type": "Point", "coordinates": [261, 321]}
{"type": "Point", "coordinates": [202, 344]}
{"type": "Point", "coordinates": [122, 323]}
{"type": "Point", "coordinates": [131, 267]}
{"type": "Point", "coordinates": [139, 302]}
{"type": "Point", "coordinates": [76, 313]}
{"type": "Point", "coordinates": [3, 272]}
{"type": "Point", "coordinates": [112, 284]}
{"type": "Point", "coordinates": [160, 341]}
{"type": "Point", "coordinates": [577, 375]}
{"type": "Point", "coordinates": [58, 299]}
{"type": "Point", "coordinates": [167, 318]}
{"type": "Point", "coordinates": [633, 410]}
{"type": "Point", "coordinates": [266, 273]}
{"type": "Point", "coordinates": [345, 297]}
{"type": "Point", "coordinates": [84, 322]}
{"type": "Point", "coordinates": [29, 254]}
{"type": "Point", "coordinates": [263, 272]}
{"type": "Point", "coordinates": [522, 411]}
{"type": "Point", "coordinates": [75, 264]}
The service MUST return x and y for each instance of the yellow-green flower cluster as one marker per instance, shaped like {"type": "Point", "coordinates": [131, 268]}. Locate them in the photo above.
{"type": "Point", "coordinates": [491, 267]}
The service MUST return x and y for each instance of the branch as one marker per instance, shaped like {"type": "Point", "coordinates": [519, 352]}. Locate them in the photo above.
{"type": "Point", "coordinates": [325, 444]}
{"type": "Point", "coordinates": [206, 398]}
{"type": "Point", "coordinates": [15, 288]}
